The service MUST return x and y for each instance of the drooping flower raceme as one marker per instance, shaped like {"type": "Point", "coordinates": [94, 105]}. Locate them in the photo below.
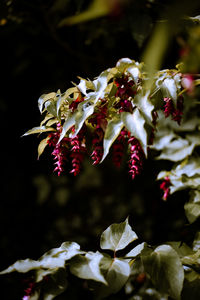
{"type": "Point", "coordinates": [115, 111]}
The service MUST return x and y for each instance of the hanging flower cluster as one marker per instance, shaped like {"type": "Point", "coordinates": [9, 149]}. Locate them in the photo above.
{"type": "Point", "coordinates": [169, 109]}
{"type": "Point", "coordinates": [165, 186]}
{"type": "Point", "coordinates": [116, 111]}
{"type": "Point", "coordinates": [29, 291]}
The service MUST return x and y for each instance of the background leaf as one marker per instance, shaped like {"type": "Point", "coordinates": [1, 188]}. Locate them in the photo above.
{"type": "Point", "coordinates": [165, 269]}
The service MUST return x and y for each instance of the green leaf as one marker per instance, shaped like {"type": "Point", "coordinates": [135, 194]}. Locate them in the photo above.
{"type": "Point", "coordinates": [64, 97]}
{"type": "Point", "coordinates": [124, 63]}
{"type": "Point", "coordinates": [97, 8]}
{"type": "Point", "coordinates": [22, 266]}
{"type": "Point", "coordinates": [192, 208]}
{"type": "Point", "coordinates": [69, 122]}
{"type": "Point", "coordinates": [38, 129]}
{"type": "Point", "coordinates": [136, 250]}
{"type": "Point", "coordinates": [85, 109]}
{"type": "Point", "coordinates": [35, 296]}
{"type": "Point", "coordinates": [134, 73]}
{"type": "Point", "coordinates": [51, 260]}
{"type": "Point", "coordinates": [184, 175]}
{"type": "Point", "coordinates": [43, 98]}
{"type": "Point", "coordinates": [170, 87]}
{"type": "Point", "coordinates": [112, 131]}
{"type": "Point", "coordinates": [165, 270]}
{"type": "Point", "coordinates": [182, 249]}
{"type": "Point", "coordinates": [88, 266]}
{"type": "Point", "coordinates": [56, 284]}
{"type": "Point", "coordinates": [145, 106]}
{"type": "Point", "coordinates": [117, 236]}
{"type": "Point", "coordinates": [42, 145]}
{"type": "Point", "coordinates": [51, 107]}
{"type": "Point", "coordinates": [193, 259]}
{"type": "Point", "coordinates": [135, 124]}
{"type": "Point", "coordinates": [195, 19]}
{"type": "Point", "coordinates": [116, 272]}
{"type": "Point", "coordinates": [172, 146]}
{"type": "Point", "coordinates": [196, 242]}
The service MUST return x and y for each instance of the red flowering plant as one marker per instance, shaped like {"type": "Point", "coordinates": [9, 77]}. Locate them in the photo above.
{"type": "Point", "coordinates": [116, 107]}
{"type": "Point", "coordinates": [121, 113]}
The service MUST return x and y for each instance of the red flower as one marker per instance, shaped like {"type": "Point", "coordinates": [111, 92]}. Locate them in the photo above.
{"type": "Point", "coordinates": [178, 112]}
{"type": "Point", "coordinates": [165, 186]}
{"type": "Point", "coordinates": [124, 91]}
{"type": "Point", "coordinates": [99, 122]}
{"type": "Point", "coordinates": [76, 102]}
{"type": "Point", "coordinates": [78, 151]}
{"type": "Point", "coordinates": [169, 109]}
{"type": "Point", "coordinates": [118, 148]}
{"type": "Point", "coordinates": [60, 151]}
{"type": "Point", "coordinates": [137, 157]}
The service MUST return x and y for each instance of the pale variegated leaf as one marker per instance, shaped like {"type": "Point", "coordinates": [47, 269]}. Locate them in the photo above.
{"type": "Point", "coordinates": [51, 260]}
{"type": "Point", "coordinates": [123, 64]}
{"type": "Point", "coordinates": [143, 102]}
{"type": "Point", "coordinates": [112, 131]}
{"type": "Point", "coordinates": [184, 175]}
{"type": "Point", "coordinates": [85, 109]}
{"type": "Point", "coordinates": [69, 122]}
{"type": "Point", "coordinates": [134, 72]}
{"type": "Point", "coordinates": [117, 236]}
{"type": "Point", "coordinates": [38, 129]}
{"type": "Point", "coordinates": [43, 98]}
{"type": "Point", "coordinates": [135, 124]}
{"type": "Point", "coordinates": [63, 97]}
{"type": "Point", "coordinates": [51, 107]}
{"type": "Point", "coordinates": [42, 145]}
{"type": "Point", "coordinates": [169, 88]}
{"type": "Point", "coordinates": [136, 250]}
{"type": "Point", "coordinates": [88, 266]}
{"type": "Point", "coordinates": [48, 117]}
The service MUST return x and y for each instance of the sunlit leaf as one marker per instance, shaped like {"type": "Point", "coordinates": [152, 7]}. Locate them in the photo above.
{"type": "Point", "coordinates": [51, 107]}
{"type": "Point", "coordinates": [69, 122]}
{"type": "Point", "coordinates": [135, 124]}
{"type": "Point", "coordinates": [42, 145]}
{"type": "Point", "coordinates": [143, 102]}
{"type": "Point", "coordinates": [136, 250]}
{"type": "Point", "coordinates": [88, 266]}
{"type": "Point", "coordinates": [43, 98]}
{"type": "Point", "coordinates": [51, 260]}
{"type": "Point", "coordinates": [117, 236]}
{"type": "Point", "coordinates": [124, 63]}
{"type": "Point", "coordinates": [63, 97]}
{"type": "Point", "coordinates": [112, 131]}
{"type": "Point", "coordinates": [169, 88]}
{"type": "Point", "coordinates": [38, 129]}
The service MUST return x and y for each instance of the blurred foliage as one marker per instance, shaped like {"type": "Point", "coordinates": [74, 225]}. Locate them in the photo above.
{"type": "Point", "coordinates": [39, 210]}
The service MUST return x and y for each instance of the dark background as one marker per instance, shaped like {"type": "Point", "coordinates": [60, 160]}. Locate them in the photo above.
{"type": "Point", "coordinates": [38, 210]}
